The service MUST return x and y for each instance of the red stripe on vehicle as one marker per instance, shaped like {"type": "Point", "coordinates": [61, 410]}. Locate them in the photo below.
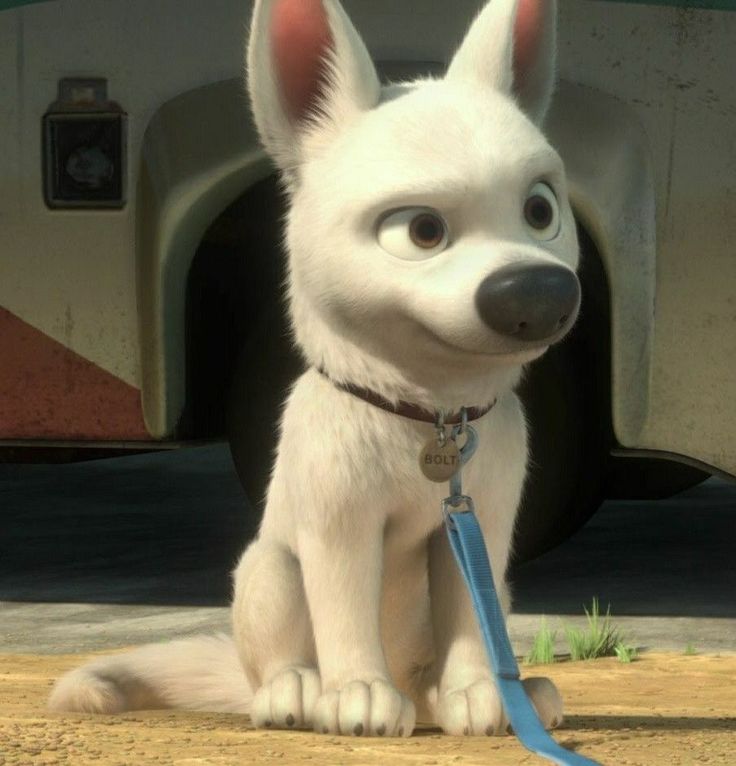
{"type": "Point", "coordinates": [48, 391]}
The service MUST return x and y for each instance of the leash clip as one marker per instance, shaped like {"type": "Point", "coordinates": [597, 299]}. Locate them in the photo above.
{"type": "Point", "coordinates": [456, 504]}
{"type": "Point", "coordinates": [466, 452]}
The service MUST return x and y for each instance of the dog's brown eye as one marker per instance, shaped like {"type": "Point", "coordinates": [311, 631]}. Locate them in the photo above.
{"type": "Point", "coordinates": [542, 212]}
{"type": "Point", "coordinates": [427, 230]}
{"type": "Point", "coordinates": [413, 233]}
{"type": "Point", "coordinates": [538, 212]}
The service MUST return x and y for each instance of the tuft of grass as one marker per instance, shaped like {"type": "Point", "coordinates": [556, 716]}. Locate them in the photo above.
{"type": "Point", "coordinates": [543, 647]}
{"type": "Point", "coordinates": [599, 639]}
{"type": "Point", "coordinates": [624, 652]}
{"type": "Point", "coordinates": [690, 649]}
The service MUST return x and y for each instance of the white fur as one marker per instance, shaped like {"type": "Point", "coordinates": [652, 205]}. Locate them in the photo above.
{"type": "Point", "coordinates": [349, 612]}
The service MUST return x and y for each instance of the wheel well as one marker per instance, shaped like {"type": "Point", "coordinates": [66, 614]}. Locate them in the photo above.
{"type": "Point", "coordinates": [236, 273]}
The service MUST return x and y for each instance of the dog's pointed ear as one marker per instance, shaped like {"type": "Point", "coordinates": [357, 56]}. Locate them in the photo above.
{"type": "Point", "coordinates": [307, 68]}
{"type": "Point", "coordinates": [512, 46]}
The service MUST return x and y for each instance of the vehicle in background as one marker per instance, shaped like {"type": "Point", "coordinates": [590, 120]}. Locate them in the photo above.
{"type": "Point", "coordinates": [141, 268]}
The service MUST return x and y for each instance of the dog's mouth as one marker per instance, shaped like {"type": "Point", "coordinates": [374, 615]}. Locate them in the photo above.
{"type": "Point", "coordinates": [519, 352]}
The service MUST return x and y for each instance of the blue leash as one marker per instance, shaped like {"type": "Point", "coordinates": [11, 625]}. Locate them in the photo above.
{"type": "Point", "coordinates": [466, 540]}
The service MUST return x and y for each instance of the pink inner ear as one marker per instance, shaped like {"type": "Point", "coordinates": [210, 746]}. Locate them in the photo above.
{"type": "Point", "coordinates": [300, 37]}
{"type": "Point", "coordinates": [527, 36]}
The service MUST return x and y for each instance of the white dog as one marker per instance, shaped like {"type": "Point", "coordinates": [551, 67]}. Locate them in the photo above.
{"type": "Point", "coordinates": [432, 253]}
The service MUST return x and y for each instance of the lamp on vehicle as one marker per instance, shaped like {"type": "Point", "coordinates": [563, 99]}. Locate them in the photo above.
{"type": "Point", "coordinates": [84, 155]}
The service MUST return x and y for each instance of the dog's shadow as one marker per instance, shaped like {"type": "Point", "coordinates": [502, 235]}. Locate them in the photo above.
{"type": "Point", "coordinates": [633, 723]}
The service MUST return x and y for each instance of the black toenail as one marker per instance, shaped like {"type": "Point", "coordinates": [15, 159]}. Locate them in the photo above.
{"type": "Point", "coordinates": [489, 731]}
{"type": "Point", "coordinates": [324, 730]}
{"type": "Point", "coordinates": [401, 731]}
{"type": "Point", "coordinates": [381, 730]}
{"type": "Point", "coordinates": [466, 731]}
{"type": "Point", "coordinates": [358, 729]}
{"type": "Point", "coordinates": [290, 720]}
{"type": "Point", "coordinates": [267, 723]}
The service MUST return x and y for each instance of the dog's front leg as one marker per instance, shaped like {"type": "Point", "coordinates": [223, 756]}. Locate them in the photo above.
{"type": "Point", "coordinates": [468, 701]}
{"type": "Point", "coordinates": [342, 579]}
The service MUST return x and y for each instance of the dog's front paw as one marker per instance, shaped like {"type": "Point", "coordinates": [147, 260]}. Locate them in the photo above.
{"type": "Point", "coordinates": [359, 708]}
{"type": "Point", "coordinates": [287, 701]}
{"type": "Point", "coordinates": [476, 710]}
{"type": "Point", "coordinates": [546, 700]}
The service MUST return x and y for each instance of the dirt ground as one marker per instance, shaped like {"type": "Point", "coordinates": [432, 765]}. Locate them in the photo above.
{"type": "Point", "coordinates": [662, 709]}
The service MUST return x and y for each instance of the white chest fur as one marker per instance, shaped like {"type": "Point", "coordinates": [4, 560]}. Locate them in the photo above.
{"type": "Point", "coordinates": [341, 459]}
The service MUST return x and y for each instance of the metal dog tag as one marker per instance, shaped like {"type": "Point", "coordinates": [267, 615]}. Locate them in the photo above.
{"type": "Point", "coordinates": [439, 462]}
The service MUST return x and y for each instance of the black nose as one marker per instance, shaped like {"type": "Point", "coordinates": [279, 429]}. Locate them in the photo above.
{"type": "Point", "coordinates": [529, 301]}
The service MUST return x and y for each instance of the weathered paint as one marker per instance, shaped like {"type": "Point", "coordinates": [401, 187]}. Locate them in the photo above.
{"type": "Point", "coordinates": [49, 392]}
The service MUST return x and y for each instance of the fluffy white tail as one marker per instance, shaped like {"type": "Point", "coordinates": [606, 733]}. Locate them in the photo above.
{"type": "Point", "coordinates": [200, 673]}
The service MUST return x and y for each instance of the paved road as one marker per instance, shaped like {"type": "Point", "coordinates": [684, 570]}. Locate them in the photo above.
{"type": "Point", "coordinates": [139, 548]}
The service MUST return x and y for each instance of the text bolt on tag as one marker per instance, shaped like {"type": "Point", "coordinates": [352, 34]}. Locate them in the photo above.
{"type": "Point", "coordinates": [439, 462]}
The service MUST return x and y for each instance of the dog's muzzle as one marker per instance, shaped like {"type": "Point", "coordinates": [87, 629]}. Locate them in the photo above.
{"type": "Point", "coordinates": [528, 301]}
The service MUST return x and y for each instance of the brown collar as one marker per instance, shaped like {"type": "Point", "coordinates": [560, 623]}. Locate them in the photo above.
{"type": "Point", "coordinates": [407, 409]}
